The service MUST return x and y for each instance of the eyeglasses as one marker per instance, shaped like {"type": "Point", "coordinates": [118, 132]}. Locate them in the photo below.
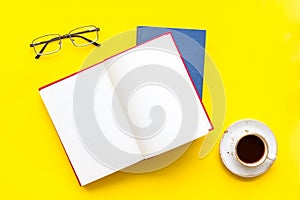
{"type": "Point", "coordinates": [51, 43]}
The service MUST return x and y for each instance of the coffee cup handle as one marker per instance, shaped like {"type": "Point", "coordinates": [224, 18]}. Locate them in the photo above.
{"type": "Point", "coordinates": [271, 157]}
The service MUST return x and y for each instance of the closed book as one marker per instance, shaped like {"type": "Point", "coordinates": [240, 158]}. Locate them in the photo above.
{"type": "Point", "coordinates": [191, 44]}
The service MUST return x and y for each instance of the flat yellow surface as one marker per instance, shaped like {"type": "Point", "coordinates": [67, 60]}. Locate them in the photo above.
{"type": "Point", "coordinates": [255, 44]}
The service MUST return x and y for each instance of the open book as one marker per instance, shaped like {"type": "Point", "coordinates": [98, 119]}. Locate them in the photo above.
{"type": "Point", "coordinates": [132, 106]}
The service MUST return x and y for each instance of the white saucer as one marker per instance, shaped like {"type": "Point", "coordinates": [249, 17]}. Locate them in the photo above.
{"type": "Point", "coordinates": [235, 132]}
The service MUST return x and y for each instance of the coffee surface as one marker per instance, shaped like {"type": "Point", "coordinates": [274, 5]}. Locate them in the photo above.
{"type": "Point", "coordinates": [250, 149]}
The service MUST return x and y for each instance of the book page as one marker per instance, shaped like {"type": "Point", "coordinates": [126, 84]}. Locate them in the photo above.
{"type": "Point", "coordinates": [80, 107]}
{"type": "Point", "coordinates": [157, 96]}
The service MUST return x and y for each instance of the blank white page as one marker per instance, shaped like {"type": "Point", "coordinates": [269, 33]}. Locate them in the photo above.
{"type": "Point", "coordinates": [156, 92]}
{"type": "Point", "coordinates": [62, 99]}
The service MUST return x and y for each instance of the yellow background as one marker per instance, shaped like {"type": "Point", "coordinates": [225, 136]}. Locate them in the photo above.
{"type": "Point", "coordinates": [255, 44]}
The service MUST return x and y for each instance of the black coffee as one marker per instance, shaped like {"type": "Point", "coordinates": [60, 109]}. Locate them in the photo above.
{"type": "Point", "coordinates": [250, 149]}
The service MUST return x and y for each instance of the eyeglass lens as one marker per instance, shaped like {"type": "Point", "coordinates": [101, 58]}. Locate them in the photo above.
{"type": "Point", "coordinates": [47, 44]}
{"type": "Point", "coordinates": [84, 35]}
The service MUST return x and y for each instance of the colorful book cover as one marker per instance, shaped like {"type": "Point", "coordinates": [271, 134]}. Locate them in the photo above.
{"type": "Point", "coordinates": [191, 44]}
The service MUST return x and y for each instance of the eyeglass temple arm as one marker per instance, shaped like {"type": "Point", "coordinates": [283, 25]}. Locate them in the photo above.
{"type": "Point", "coordinates": [87, 31]}
{"type": "Point", "coordinates": [92, 42]}
{"type": "Point", "coordinates": [41, 51]}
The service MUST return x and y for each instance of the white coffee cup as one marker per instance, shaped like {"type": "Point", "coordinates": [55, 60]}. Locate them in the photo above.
{"type": "Point", "coordinates": [251, 150]}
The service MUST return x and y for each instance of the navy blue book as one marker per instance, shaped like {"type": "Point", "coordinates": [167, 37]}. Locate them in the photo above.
{"type": "Point", "coordinates": [191, 44]}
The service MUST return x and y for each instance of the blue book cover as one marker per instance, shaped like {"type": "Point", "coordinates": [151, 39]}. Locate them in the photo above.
{"type": "Point", "coordinates": [191, 44]}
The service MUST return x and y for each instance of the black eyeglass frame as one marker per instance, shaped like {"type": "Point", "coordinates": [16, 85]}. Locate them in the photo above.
{"type": "Point", "coordinates": [69, 35]}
